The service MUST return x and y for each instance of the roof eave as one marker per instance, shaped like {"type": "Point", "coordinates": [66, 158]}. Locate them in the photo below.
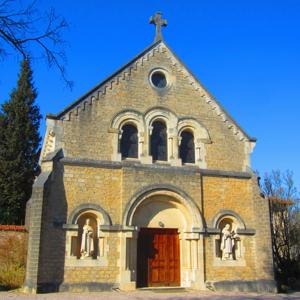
{"type": "Point", "coordinates": [251, 139]}
{"type": "Point", "coordinates": [107, 79]}
{"type": "Point", "coordinates": [103, 82]}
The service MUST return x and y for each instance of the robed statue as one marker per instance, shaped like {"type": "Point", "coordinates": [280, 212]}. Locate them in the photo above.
{"type": "Point", "coordinates": [87, 240]}
{"type": "Point", "coordinates": [228, 239]}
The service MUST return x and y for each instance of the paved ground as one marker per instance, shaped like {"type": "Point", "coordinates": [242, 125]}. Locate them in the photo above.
{"type": "Point", "coordinates": [148, 295]}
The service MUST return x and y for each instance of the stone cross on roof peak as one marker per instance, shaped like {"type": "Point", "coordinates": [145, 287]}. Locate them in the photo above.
{"type": "Point", "coordinates": [158, 21]}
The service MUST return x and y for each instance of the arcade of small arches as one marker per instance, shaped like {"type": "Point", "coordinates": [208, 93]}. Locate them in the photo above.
{"type": "Point", "coordinates": [161, 211]}
{"type": "Point", "coordinates": [158, 136]}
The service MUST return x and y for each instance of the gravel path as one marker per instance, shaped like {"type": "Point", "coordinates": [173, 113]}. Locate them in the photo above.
{"type": "Point", "coordinates": [147, 295]}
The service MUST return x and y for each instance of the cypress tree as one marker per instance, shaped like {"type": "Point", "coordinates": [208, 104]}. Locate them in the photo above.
{"type": "Point", "coordinates": [19, 147]}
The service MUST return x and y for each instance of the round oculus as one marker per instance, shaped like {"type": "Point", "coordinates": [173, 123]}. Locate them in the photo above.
{"type": "Point", "coordinates": [158, 79]}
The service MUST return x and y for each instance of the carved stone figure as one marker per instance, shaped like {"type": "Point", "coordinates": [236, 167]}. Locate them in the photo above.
{"type": "Point", "coordinates": [228, 239]}
{"type": "Point", "coordinates": [87, 241]}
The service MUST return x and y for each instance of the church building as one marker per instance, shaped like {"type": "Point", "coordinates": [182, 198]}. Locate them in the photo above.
{"type": "Point", "coordinates": [146, 182]}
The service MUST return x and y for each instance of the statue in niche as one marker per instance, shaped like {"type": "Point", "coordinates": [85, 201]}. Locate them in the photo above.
{"type": "Point", "coordinates": [87, 240]}
{"type": "Point", "coordinates": [228, 242]}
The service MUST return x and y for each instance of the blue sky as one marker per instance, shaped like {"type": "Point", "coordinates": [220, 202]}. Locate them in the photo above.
{"type": "Point", "coordinates": [246, 53]}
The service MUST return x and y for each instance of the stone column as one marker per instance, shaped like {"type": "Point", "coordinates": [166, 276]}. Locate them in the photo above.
{"type": "Point", "coordinates": [173, 145]}
{"type": "Point", "coordinates": [144, 143]}
{"type": "Point", "coordinates": [194, 261]}
{"type": "Point", "coordinates": [128, 254]}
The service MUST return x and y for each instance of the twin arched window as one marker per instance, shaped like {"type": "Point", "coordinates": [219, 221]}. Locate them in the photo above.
{"type": "Point", "coordinates": [187, 147]}
{"type": "Point", "coordinates": [129, 142]}
{"type": "Point", "coordinates": [158, 143]}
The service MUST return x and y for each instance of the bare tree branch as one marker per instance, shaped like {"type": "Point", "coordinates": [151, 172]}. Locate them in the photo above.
{"type": "Point", "coordinates": [285, 219]}
{"type": "Point", "coordinates": [25, 31]}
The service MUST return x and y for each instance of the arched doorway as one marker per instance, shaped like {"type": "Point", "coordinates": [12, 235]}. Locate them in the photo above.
{"type": "Point", "coordinates": [165, 248]}
{"type": "Point", "coordinates": [160, 219]}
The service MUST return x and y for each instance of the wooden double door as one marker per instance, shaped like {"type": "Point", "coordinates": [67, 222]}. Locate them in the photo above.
{"type": "Point", "coordinates": [158, 257]}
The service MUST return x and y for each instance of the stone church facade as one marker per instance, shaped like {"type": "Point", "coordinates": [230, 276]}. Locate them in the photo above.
{"type": "Point", "coordinates": [146, 181]}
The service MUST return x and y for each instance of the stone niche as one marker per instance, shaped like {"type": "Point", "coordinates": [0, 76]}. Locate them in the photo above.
{"type": "Point", "coordinates": [76, 245]}
{"type": "Point", "coordinates": [228, 225]}
{"type": "Point", "coordinates": [229, 234]}
{"type": "Point", "coordinates": [85, 242]}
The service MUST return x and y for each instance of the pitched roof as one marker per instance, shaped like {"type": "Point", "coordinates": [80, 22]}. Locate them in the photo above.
{"type": "Point", "coordinates": [126, 69]}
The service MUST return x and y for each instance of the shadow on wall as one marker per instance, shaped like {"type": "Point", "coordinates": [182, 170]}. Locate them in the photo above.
{"type": "Point", "coordinates": [53, 236]}
{"type": "Point", "coordinates": [268, 268]}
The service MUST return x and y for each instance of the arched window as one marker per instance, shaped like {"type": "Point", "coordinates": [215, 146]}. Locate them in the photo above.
{"type": "Point", "coordinates": [159, 150]}
{"type": "Point", "coordinates": [129, 142]}
{"type": "Point", "coordinates": [187, 147]}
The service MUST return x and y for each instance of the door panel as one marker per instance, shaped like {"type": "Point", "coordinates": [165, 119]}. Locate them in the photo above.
{"type": "Point", "coordinates": [158, 257]}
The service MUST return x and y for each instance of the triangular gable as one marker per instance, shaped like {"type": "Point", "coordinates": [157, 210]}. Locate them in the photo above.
{"type": "Point", "coordinates": [100, 89]}
{"type": "Point", "coordinates": [104, 84]}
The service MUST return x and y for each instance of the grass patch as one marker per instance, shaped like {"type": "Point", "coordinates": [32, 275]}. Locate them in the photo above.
{"type": "Point", "coordinates": [12, 261]}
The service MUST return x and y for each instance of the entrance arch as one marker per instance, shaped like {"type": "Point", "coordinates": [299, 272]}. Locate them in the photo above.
{"type": "Point", "coordinates": [168, 194]}
{"type": "Point", "coordinates": [161, 211]}
{"type": "Point", "coordinates": [167, 245]}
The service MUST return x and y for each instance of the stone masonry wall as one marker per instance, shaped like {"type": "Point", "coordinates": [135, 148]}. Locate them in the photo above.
{"type": "Point", "coordinates": [87, 136]}
{"type": "Point", "coordinates": [107, 276]}
{"type": "Point", "coordinates": [112, 189]}
{"type": "Point", "coordinates": [263, 243]}
{"type": "Point", "coordinates": [71, 186]}
{"type": "Point", "coordinates": [99, 186]}
{"type": "Point", "coordinates": [135, 180]}
{"type": "Point", "coordinates": [236, 195]}
{"type": "Point", "coordinates": [228, 193]}
{"type": "Point", "coordinates": [94, 185]}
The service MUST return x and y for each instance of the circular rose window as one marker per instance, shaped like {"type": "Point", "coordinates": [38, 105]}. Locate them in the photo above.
{"type": "Point", "coordinates": [158, 79]}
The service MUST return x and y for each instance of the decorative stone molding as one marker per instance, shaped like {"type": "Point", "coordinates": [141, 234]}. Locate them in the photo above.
{"type": "Point", "coordinates": [124, 117]}
{"type": "Point", "coordinates": [175, 126]}
{"type": "Point", "coordinates": [166, 205]}
{"type": "Point", "coordinates": [128, 116]}
{"type": "Point", "coordinates": [201, 137]}
{"type": "Point", "coordinates": [155, 167]}
{"type": "Point", "coordinates": [50, 142]}
{"type": "Point", "coordinates": [248, 231]}
{"type": "Point", "coordinates": [171, 120]}
{"type": "Point", "coordinates": [178, 195]}
{"type": "Point", "coordinates": [122, 74]}
{"type": "Point", "coordinates": [227, 213]}
{"type": "Point", "coordinates": [108, 84]}
{"type": "Point", "coordinates": [52, 139]}
{"type": "Point", "coordinates": [236, 229]}
{"type": "Point", "coordinates": [72, 219]}
{"type": "Point", "coordinates": [72, 234]}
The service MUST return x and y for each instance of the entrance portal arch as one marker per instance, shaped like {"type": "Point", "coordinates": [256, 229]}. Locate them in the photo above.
{"type": "Point", "coordinates": [161, 211]}
{"type": "Point", "coordinates": [166, 246]}
{"type": "Point", "coordinates": [165, 196]}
